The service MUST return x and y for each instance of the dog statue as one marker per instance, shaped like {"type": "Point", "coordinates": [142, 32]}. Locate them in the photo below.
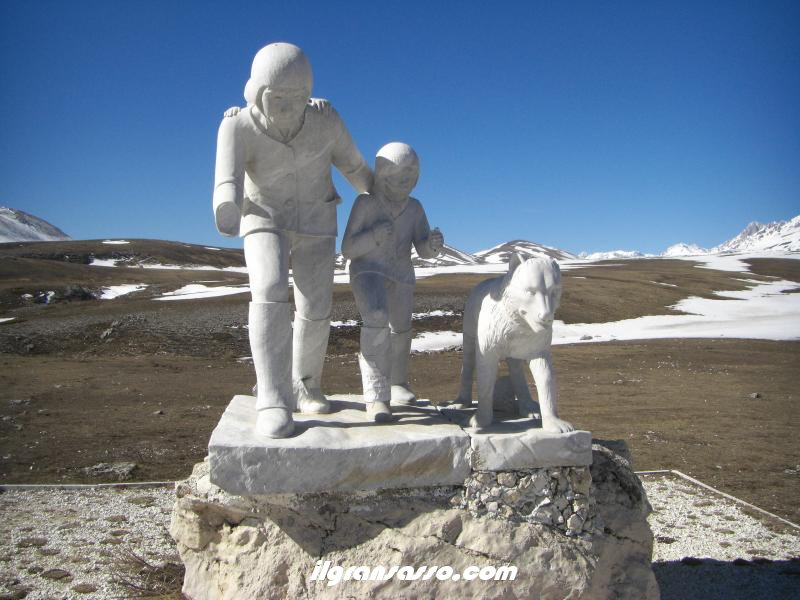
{"type": "Point", "coordinates": [511, 318]}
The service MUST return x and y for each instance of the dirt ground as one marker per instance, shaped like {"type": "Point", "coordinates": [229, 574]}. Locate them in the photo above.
{"type": "Point", "coordinates": [680, 404]}
{"type": "Point", "coordinates": [133, 379]}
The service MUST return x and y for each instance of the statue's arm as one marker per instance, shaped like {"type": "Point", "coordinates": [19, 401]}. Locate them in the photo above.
{"type": "Point", "coordinates": [348, 159]}
{"type": "Point", "coordinates": [357, 241]}
{"type": "Point", "coordinates": [428, 243]}
{"type": "Point", "coordinates": [228, 178]}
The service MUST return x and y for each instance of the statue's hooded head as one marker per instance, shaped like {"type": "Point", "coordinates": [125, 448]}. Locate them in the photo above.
{"type": "Point", "coordinates": [396, 169]}
{"type": "Point", "coordinates": [278, 66]}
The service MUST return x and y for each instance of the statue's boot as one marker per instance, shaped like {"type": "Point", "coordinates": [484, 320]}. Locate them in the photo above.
{"type": "Point", "coordinates": [401, 350]}
{"type": "Point", "coordinates": [374, 361]}
{"type": "Point", "coordinates": [308, 357]}
{"type": "Point", "coordinates": [269, 326]}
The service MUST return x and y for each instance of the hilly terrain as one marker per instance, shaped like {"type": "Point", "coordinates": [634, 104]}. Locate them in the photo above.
{"type": "Point", "coordinates": [128, 350]}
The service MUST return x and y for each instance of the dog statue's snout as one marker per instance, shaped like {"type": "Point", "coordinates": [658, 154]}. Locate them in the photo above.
{"type": "Point", "coordinates": [545, 313]}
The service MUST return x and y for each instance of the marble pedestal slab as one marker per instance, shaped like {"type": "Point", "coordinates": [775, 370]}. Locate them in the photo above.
{"type": "Point", "coordinates": [521, 444]}
{"type": "Point", "coordinates": [340, 451]}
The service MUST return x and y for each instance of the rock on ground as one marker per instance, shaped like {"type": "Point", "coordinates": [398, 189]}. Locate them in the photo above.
{"type": "Point", "coordinates": [268, 546]}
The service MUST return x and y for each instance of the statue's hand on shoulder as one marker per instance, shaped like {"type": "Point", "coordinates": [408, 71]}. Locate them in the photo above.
{"type": "Point", "coordinates": [321, 104]}
{"type": "Point", "coordinates": [232, 111]}
{"type": "Point", "coordinates": [436, 240]}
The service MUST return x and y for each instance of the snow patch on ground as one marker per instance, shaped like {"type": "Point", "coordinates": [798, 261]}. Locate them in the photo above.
{"type": "Point", "coordinates": [115, 291]}
{"type": "Point", "coordinates": [348, 323]}
{"type": "Point", "coordinates": [492, 268]}
{"type": "Point", "coordinates": [193, 291]}
{"type": "Point", "coordinates": [415, 316]}
{"type": "Point", "coordinates": [5, 319]}
{"type": "Point", "coordinates": [341, 276]}
{"type": "Point", "coordinates": [767, 310]}
{"type": "Point", "coordinates": [764, 311]}
{"type": "Point", "coordinates": [433, 313]}
{"type": "Point", "coordinates": [734, 262]}
{"type": "Point", "coordinates": [178, 267]}
{"type": "Point", "coordinates": [116, 242]}
{"type": "Point", "coordinates": [436, 341]}
{"type": "Point", "coordinates": [103, 262]}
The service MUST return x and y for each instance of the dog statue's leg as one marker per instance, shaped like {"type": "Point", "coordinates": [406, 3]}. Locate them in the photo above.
{"type": "Point", "coordinates": [467, 371]}
{"type": "Point", "coordinates": [487, 374]}
{"type": "Point", "coordinates": [526, 407]}
{"type": "Point", "coordinates": [542, 370]}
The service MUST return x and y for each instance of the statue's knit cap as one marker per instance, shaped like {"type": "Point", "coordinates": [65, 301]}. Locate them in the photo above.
{"type": "Point", "coordinates": [278, 65]}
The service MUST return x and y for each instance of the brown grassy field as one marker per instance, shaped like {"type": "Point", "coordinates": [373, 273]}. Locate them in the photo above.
{"type": "Point", "coordinates": [71, 397]}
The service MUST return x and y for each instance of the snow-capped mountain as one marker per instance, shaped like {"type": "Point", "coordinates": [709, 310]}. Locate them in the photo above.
{"type": "Point", "coordinates": [611, 255]}
{"type": "Point", "coordinates": [449, 256]}
{"type": "Point", "coordinates": [682, 249]}
{"type": "Point", "coordinates": [18, 226]}
{"type": "Point", "coordinates": [778, 236]}
{"type": "Point", "coordinates": [775, 236]}
{"type": "Point", "coordinates": [502, 253]}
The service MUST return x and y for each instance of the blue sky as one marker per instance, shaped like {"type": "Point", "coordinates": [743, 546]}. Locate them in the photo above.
{"type": "Point", "coordinates": [586, 126]}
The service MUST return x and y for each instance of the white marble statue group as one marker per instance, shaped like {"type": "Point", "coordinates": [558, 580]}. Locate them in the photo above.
{"type": "Point", "coordinates": [273, 187]}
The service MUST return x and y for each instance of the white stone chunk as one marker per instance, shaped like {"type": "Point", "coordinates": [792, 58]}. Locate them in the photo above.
{"type": "Point", "coordinates": [340, 451]}
{"type": "Point", "coordinates": [522, 444]}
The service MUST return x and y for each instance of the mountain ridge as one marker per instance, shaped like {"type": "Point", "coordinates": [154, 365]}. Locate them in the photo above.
{"type": "Point", "coordinates": [18, 226]}
{"type": "Point", "coordinates": [776, 236]}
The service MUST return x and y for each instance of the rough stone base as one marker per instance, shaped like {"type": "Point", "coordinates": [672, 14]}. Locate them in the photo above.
{"type": "Point", "coordinates": [268, 546]}
{"type": "Point", "coordinates": [557, 496]}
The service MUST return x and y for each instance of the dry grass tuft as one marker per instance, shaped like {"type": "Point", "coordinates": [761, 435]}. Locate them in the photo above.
{"type": "Point", "coordinates": [144, 579]}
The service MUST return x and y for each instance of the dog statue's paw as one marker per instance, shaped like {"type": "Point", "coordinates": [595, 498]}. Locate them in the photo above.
{"type": "Point", "coordinates": [556, 425]}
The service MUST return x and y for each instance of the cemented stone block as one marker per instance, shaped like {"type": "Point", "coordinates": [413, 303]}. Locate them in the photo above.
{"type": "Point", "coordinates": [522, 444]}
{"type": "Point", "coordinates": [340, 451]}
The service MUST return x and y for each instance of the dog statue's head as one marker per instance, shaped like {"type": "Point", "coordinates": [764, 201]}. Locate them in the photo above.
{"type": "Point", "coordinates": [532, 290]}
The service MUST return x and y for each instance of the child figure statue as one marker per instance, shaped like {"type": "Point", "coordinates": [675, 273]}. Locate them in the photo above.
{"type": "Point", "coordinates": [382, 226]}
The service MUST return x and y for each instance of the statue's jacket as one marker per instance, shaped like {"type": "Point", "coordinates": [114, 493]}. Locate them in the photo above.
{"type": "Point", "coordinates": [392, 258]}
{"type": "Point", "coordinates": [284, 186]}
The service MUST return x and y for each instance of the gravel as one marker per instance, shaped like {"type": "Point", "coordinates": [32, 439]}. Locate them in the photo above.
{"type": "Point", "coordinates": [713, 548]}
{"type": "Point", "coordinates": [69, 543]}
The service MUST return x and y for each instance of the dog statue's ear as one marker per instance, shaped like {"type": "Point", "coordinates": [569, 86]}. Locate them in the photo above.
{"type": "Point", "coordinates": [516, 260]}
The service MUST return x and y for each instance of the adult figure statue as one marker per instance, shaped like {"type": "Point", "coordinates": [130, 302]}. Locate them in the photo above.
{"type": "Point", "coordinates": [273, 186]}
